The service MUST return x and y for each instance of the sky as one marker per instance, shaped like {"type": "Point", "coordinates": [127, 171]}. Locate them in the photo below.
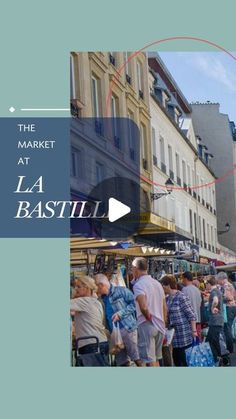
{"type": "Point", "coordinates": [204, 76]}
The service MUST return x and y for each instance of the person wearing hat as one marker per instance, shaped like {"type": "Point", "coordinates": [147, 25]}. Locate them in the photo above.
{"type": "Point", "coordinates": [88, 314]}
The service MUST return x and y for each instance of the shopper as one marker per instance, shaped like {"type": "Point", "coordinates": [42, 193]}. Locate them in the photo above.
{"type": "Point", "coordinates": [181, 317]}
{"type": "Point", "coordinates": [228, 292]}
{"type": "Point", "coordinates": [151, 312]}
{"type": "Point", "coordinates": [195, 297]}
{"type": "Point", "coordinates": [88, 313]}
{"type": "Point", "coordinates": [119, 307]}
{"type": "Point", "coordinates": [216, 317]}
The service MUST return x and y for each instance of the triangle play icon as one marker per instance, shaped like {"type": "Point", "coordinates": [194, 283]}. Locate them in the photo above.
{"type": "Point", "coordinates": [116, 209]}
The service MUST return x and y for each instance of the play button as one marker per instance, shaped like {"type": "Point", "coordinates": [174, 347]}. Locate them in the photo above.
{"type": "Point", "coordinates": [117, 210]}
{"type": "Point", "coordinates": [123, 206]}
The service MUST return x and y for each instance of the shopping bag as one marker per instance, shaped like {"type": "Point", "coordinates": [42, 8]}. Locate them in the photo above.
{"type": "Point", "coordinates": [225, 313]}
{"type": "Point", "coordinates": [234, 329]}
{"type": "Point", "coordinates": [117, 343]}
{"type": "Point", "coordinates": [199, 355]}
{"type": "Point", "coordinates": [169, 335]}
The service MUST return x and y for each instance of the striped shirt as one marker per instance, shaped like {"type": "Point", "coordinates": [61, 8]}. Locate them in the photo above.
{"type": "Point", "coordinates": [180, 315]}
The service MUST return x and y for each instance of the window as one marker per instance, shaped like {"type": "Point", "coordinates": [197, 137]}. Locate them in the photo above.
{"type": "Point", "coordinates": [114, 106]}
{"type": "Point", "coordinates": [203, 191]}
{"type": "Point", "coordinates": [194, 191]}
{"type": "Point", "coordinates": [213, 199]}
{"type": "Point", "coordinates": [154, 147]}
{"type": "Point", "coordinates": [171, 207]}
{"type": "Point", "coordinates": [99, 172]}
{"type": "Point", "coordinates": [72, 77]}
{"type": "Point", "coordinates": [115, 115]}
{"type": "Point", "coordinates": [140, 79]}
{"type": "Point", "coordinates": [195, 227]}
{"type": "Point", "coordinates": [204, 232]}
{"type": "Point", "coordinates": [96, 97]}
{"type": "Point", "coordinates": [208, 194]}
{"type": "Point", "coordinates": [200, 229]}
{"type": "Point", "coordinates": [189, 176]}
{"type": "Point", "coordinates": [112, 57]}
{"type": "Point", "coordinates": [76, 169]}
{"type": "Point", "coordinates": [177, 169]}
{"type": "Point", "coordinates": [143, 139]}
{"type": "Point", "coordinates": [127, 67]}
{"type": "Point", "coordinates": [162, 154]}
{"type": "Point", "coordinates": [191, 221]}
{"type": "Point", "coordinates": [198, 189]}
{"type": "Point", "coordinates": [131, 136]}
{"type": "Point", "coordinates": [208, 235]}
{"type": "Point", "coordinates": [184, 174]}
{"type": "Point", "coordinates": [212, 238]}
{"type": "Point", "coordinates": [170, 158]}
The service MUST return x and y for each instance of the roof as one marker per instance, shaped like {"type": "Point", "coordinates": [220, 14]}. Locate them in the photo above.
{"type": "Point", "coordinates": [155, 62]}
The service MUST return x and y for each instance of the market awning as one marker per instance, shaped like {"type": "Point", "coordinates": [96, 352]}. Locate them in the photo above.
{"type": "Point", "coordinates": [153, 223]}
{"type": "Point", "coordinates": [160, 231]}
{"type": "Point", "coordinates": [230, 267]}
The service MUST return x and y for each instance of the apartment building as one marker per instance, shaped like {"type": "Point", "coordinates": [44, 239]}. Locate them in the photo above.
{"type": "Point", "coordinates": [219, 135]}
{"type": "Point", "coordinates": [177, 155]}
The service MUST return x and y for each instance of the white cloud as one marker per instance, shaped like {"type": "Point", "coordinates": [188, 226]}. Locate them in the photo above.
{"type": "Point", "coordinates": [213, 67]}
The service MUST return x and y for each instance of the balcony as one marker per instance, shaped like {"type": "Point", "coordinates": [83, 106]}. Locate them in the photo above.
{"type": "Point", "coordinates": [145, 164]}
{"type": "Point", "coordinates": [128, 79]}
{"type": "Point", "coordinates": [171, 173]}
{"type": "Point", "coordinates": [98, 126]}
{"type": "Point", "coordinates": [112, 59]}
{"type": "Point", "coordinates": [141, 96]}
{"type": "Point", "coordinates": [117, 142]}
{"type": "Point", "coordinates": [179, 181]}
{"type": "Point", "coordinates": [132, 153]}
{"type": "Point", "coordinates": [75, 108]}
{"type": "Point", "coordinates": [163, 167]}
{"type": "Point", "coordinates": [154, 160]}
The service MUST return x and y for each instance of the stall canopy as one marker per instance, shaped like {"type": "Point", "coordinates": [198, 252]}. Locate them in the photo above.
{"type": "Point", "coordinates": [230, 267]}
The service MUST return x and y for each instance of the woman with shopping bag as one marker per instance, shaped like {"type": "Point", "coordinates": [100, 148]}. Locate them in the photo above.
{"type": "Point", "coordinates": [181, 317]}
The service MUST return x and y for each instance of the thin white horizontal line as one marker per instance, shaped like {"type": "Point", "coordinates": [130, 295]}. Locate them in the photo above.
{"type": "Point", "coordinates": [45, 109]}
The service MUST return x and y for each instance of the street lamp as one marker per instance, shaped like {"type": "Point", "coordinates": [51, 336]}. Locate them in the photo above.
{"type": "Point", "coordinates": [169, 187]}
{"type": "Point", "coordinates": [227, 228]}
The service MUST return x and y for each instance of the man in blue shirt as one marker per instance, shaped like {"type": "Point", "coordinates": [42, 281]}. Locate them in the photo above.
{"type": "Point", "coordinates": [119, 306]}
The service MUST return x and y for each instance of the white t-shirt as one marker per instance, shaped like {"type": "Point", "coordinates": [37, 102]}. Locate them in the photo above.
{"type": "Point", "coordinates": [152, 289]}
{"type": "Point", "coordinates": [88, 319]}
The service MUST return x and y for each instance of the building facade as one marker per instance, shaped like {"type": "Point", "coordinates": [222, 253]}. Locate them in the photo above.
{"type": "Point", "coordinates": [111, 85]}
{"type": "Point", "coordinates": [98, 91]}
{"type": "Point", "coordinates": [176, 156]}
{"type": "Point", "coordinates": [218, 133]}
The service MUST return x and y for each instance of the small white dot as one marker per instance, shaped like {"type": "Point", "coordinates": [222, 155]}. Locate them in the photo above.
{"type": "Point", "coordinates": [11, 109]}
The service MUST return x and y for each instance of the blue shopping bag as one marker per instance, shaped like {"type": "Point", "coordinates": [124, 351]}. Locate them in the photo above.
{"type": "Point", "coordinates": [199, 355]}
{"type": "Point", "coordinates": [234, 329]}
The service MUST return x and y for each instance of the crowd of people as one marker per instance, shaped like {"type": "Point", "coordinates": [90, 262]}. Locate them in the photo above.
{"type": "Point", "coordinates": [144, 314]}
